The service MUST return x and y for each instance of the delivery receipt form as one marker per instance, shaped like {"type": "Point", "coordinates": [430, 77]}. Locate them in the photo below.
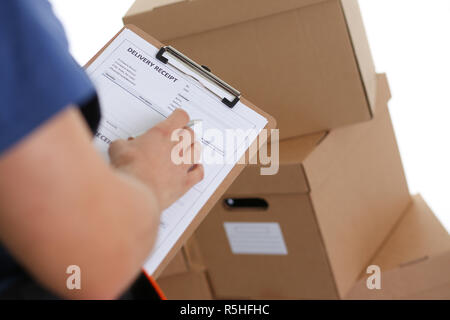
{"type": "Point", "coordinates": [136, 91]}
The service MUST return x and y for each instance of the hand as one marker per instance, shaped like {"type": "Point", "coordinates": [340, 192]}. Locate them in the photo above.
{"type": "Point", "coordinates": [149, 158]}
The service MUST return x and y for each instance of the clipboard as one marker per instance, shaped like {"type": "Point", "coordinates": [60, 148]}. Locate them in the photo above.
{"type": "Point", "coordinates": [204, 73]}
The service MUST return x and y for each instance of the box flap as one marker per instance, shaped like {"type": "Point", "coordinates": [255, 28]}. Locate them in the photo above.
{"type": "Point", "coordinates": [425, 279]}
{"type": "Point", "coordinates": [323, 160]}
{"type": "Point", "coordinates": [295, 150]}
{"type": "Point", "coordinates": [412, 258]}
{"type": "Point", "coordinates": [169, 19]}
{"type": "Point", "coordinates": [290, 177]}
{"type": "Point", "coordinates": [176, 266]}
{"type": "Point", "coordinates": [418, 234]}
{"type": "Point", "coordinates": [193, 255]}
{"type": "Point", "coordinates": [358, 189]}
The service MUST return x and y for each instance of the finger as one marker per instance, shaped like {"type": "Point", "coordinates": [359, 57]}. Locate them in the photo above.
{"type": "Point", "coordinates": [119, 152]}
{"type": "Point", "coordinates": [115, 147]}
{"type": "Point", "coordinates": [196, 152]}
{"type": "Point", "coordinates": [188, 137]}
{"type": "Point", "coordinates": [183, 139]}
{"type": "Point", "coordinates": [192, 154]}
{"type": "Point", "coordinates": [178, 119]}
{"type": "Point", "coordinates": [189, 133]}
{"type": "Point", "coordinates": [176, 155]}
{"type": "Point", "coordinates": [195, 175]}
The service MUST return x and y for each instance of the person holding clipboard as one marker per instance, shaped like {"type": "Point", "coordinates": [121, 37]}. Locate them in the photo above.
{"type": "Point", "coordinates": [60, 203]}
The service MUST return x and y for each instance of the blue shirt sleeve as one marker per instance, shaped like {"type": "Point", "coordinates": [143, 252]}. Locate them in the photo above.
{"type": "Point", "coordinates": [38, 76]}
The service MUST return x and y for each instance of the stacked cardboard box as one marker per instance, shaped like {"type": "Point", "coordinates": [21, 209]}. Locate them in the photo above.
{"type": "Point", "coordinates": [413, 261]}
{"type": "Point", "coordinates": [335, 199]}
{"type": "Point", "coordinates": [305, 62]}
{"type": "Point", "coordinates": [339, 199]}
{"type": "Point", "coordinates": [185, 278]}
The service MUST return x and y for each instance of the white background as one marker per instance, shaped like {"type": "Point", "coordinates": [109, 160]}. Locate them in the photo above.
{"type": "Point", "coordinates": [410, 40]}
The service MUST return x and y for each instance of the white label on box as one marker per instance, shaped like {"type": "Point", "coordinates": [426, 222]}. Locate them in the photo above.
{"type": "Point", "coordinates": [255, 238]}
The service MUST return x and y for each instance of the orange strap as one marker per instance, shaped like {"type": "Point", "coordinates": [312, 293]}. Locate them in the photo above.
{"type": "Point", "coordinates": [155, 286]}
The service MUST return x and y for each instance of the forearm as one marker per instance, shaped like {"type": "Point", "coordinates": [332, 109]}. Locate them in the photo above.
{"type": "Point", "coordinates": [62, 205]}
{"type": "Point", "coordinates": [71, 208]}
{"type": "Point", "coordinates": [121, 233]}
{"type": "Point", "coordinates": [108, 234]}
{"type": "Point", "coordinates": [143, 222]}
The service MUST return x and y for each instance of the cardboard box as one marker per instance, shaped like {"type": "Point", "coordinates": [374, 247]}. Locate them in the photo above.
{"type": "Point", "coordinates": [414, 260]}
{"type": "Point", "coordinates": [193, 255]}
{"type": "Point", "coordinates": [185, 278]}
{"type": "Point", "coordinates": [334, 200]}
{"type": "Point", "coordinates": [186, 260]}
{"type": "Point", "coordinates": [191, 285]}
{"type": "Point", "coordinates": [176, 266]}
{"type": "Point", "coordinates": [306, 62]}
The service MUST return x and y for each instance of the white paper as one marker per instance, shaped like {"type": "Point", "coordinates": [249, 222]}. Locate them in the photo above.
{"type": "Point", "coordinates": [135, 95]}
{"type": "Point", "coordinates": [255, 238]}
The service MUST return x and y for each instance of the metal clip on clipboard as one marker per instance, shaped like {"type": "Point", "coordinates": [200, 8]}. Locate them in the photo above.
{"type": "Point", "coordinates": [203, 71]}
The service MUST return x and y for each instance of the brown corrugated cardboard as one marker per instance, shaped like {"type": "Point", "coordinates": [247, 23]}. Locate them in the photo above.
{"type": "Point", "coordinates": [191, 285]}
{"type": "Point", "coordinates": [184, 278]}
{"type": "Point", "coordinates": [187, 259]}
{"type": "Point", "coordinates": [348, 192]}
{"type": "Point", "coordinates": [418, 234]}
{"type": "Point", "coordinates": [413, 260]}
{"type": "Point", "coordinates": [193, 255]}
{"type": "Point", "coordinates": [307, 62]}
{"type": "Point", "coordinates": [176, 266]}
{"type": "Point", "coordinates": [290, 177]}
